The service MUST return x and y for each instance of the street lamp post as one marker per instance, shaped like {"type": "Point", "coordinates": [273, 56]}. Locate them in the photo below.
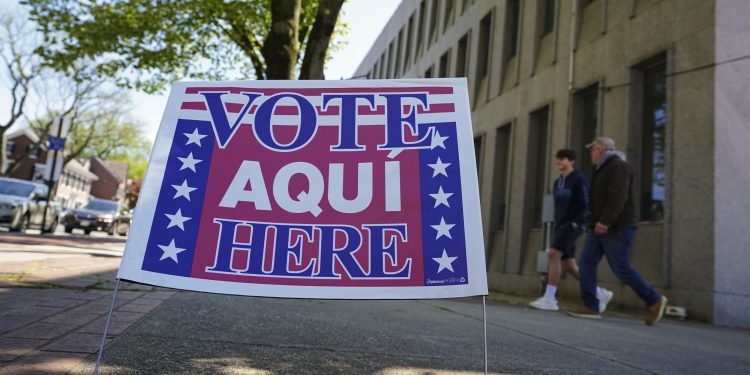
{"type": "Point", "coordinates": [56, 144]}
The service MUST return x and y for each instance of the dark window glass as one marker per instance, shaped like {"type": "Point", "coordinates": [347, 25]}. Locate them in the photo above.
{"type": "Point", "coordinates": [448, 18]}
{"type": "Point", "coordinates": [433, 21]}
{"type": "Point", "coordinates": [10, 148]}
{"type": "Point", "coordinates": [478, 152]}
{"type": "Point", "coordinates": [420, 28]}
{"type": "Point", "coordinates": [428, 73]}
{"type": "Point", "coordinates": [381, 74]}
{"type": "Point", "coordinates": [465, 5]}
{"type": "Point", "coordinates": [389, 68]}
{"type": "Point", "coordinates": [407, 48]}
{"type": "Point", "coordinates": [443, 68]}
{"type": "Point", "coordinates": [548, 22]}
{"type": "Point", "coordinates": [538, 159]}
{"type": "Point", "coordinates": [513, 12]}
{"type": "Point", "coordinates": [397, 63]}
{"type": "Point", "coordinates": [653, 143]}
{"type": "Point", "coordinates": [461, 54]}
{"type": "Point", "coordinates": [500, 178]}
{"type": "Point", "coordinates": [485, 28]}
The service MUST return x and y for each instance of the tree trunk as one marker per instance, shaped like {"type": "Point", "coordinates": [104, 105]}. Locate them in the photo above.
{"type": "Point", "coordinates": [320, 39]}
{"type": "Point", "coordinates": [281, 46]}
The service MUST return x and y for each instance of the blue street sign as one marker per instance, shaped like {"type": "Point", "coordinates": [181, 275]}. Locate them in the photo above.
{"type": "Point", "coordinates": [56, 143]}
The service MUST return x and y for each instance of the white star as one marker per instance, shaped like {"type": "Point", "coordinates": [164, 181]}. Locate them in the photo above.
{"type": "Point", "coordinates": [183, 190]}
{"type": "Point", "coordinates": [441, 197]}
{"type": "Point", "coordinates": [443, 229]}
{"type": "Point", "coordinates": [194, 137]}
{"type": "Point", "coordinates": [170, 251]}
{"type": "Point", "coordinates": [189, 162]}
{"type": "Point", "coordinates": [177, 220]}
{"type": "Point", "coordinates": [445, 262]}
{"type": "Point", "coordinates": [439, 168]}
{"type": "Point", "coordinates": [437, 140]}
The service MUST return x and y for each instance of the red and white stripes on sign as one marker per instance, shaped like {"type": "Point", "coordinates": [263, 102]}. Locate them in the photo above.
{"type": "Point", "coordinates": [286, 112]}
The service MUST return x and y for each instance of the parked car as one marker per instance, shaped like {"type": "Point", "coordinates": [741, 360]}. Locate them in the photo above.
{"type": "Point", "coordinates": [22, 205]}
{"type": "Point", "coordinates": [96, 215]}
{"type": "Point", "coordinates": [122, 222]}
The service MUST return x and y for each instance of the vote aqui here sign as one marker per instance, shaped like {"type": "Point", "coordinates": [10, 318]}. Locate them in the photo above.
{"type": "Point", "coordinates": [361, 189]}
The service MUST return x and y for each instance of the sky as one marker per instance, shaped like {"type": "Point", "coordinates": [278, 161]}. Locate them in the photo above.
{"type": "Point", "coordinates": [366, 18]}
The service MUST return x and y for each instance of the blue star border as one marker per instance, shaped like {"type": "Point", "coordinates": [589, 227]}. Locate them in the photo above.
{"type": "Point", "coordinates": [443, 235]}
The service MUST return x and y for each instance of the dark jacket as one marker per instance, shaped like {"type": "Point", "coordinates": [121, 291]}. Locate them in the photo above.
{"type": "Point", "coordinates": [611, 195]}
{"type": "Point", "coordinates": [571, 199]}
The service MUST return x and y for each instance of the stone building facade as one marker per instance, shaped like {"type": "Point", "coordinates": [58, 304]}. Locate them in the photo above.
{"type": "Point", "coordinates": [669, 80]}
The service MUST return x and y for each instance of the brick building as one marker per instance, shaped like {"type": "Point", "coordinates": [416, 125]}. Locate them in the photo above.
{"type": "Point", "coordinates": [112, 179]}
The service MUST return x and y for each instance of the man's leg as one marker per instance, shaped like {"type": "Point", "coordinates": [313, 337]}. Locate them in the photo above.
{"type": "Point", "coordinates": [570, 266]}
{"type": "Point", "coordinates": [590, 257]}
{"type": "Point", "coordinates": [553, 266]}
{"type": "Point", "coordinates": [617, 247]}
{"type": "Point", "coordinates": [548, 300]}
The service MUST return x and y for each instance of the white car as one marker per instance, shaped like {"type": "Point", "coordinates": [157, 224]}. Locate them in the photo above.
{"type": "Point", "coordinates": [22, 206]}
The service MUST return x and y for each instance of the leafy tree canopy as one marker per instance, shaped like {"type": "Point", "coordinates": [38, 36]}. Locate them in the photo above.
{"type": "Point", "coordinates": [145, 44]}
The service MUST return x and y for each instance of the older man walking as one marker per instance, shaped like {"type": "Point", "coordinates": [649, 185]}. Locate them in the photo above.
{"type": "Point", "coordinates": [612, 225]}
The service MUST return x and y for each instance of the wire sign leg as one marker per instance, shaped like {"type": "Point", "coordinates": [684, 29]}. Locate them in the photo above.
{"type": "Point", "coordinates": [484, 320]}
{"type": "Point", "coordinates": [106, 328]}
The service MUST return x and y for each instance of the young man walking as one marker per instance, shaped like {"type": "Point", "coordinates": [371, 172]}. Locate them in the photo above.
{"type": "Point", "coordinates": [613, 225]}
{"type": "Point", "coordinates": [571, 205]}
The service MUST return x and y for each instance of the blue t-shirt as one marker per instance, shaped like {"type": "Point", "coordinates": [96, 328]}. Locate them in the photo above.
{"type": "Point", "coordinates": [571, 199]}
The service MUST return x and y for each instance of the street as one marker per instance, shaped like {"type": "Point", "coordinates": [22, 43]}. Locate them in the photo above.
{"type": "Point", "coordinates": [55, 292]}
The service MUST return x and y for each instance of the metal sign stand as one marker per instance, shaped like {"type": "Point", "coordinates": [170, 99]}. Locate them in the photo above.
{"type": "Point", "coordinates": [484, 321]}
{"type": "Point", "coordinates": [106, 328]}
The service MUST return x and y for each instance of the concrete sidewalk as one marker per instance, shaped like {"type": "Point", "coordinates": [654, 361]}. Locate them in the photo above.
{"type": "Point", "coordinates": [194, 333]}
{"type": "Point", "coordinates": [55, 292]}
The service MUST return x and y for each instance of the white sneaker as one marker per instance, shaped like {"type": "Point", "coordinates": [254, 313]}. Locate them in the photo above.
{"type": "Point", "coordinates": [543, 303]}
{"type": "Point", "coordinates": [604, 299]}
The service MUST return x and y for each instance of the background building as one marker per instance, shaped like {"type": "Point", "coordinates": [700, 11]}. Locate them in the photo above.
{"type": "Point", "coordinates": [669, 80]}
{"type": "Point", "coordinates": [112, 179]}
{"type": "Point", "coordinates": [74, 188]}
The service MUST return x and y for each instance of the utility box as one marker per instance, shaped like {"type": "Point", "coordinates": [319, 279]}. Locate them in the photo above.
{"type": "Point", "coordinates": [548, 218]}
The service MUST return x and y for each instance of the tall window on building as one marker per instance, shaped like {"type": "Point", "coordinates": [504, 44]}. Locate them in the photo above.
{"type": "Point", "coordinates": [420, 29]}
{"type": "Point", "coordinates": [382, 66]}
{"type": "Point", "coordinates": [434, 10]}
{"type": "Point", "coordinates": [407, 45]}
{"type": "Point", "coordinates": [653, 140]}
{"type": "Point", "coordinates": [465, 5]}
{"type": "Point", "coordinates": [461, 56]}
{"type": "Point", "coordinates": [548, 16]}
{"type": "Point", "coordinates": [537, 162]}
{"type": "Point", "coordinates": [478, 141]}
{"type": "Point", "coordinates": [443, 66]}
{"type": "Point", "coordinates": [397, 63]}
{"type": "Point", "coordinates": [389, 67]}
{"type": "Point", "coordinates": [10, 148]}
{"type": "Point", "coordinates": [585, 125]}
{"type": "Point", "coordinates": [513, 23]}
{"type": "Point", "coordinates": [500, 179]}
{"type": "Point", "coordinates": [448, 16]}
{"type": "Point", "coordinates": [483, 54]}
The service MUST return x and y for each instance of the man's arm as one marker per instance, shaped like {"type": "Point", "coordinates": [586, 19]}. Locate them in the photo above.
{"type": "Point", "coordinates": [581, 191]}
{"type": "Point", "coordinates": [617, 194]}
